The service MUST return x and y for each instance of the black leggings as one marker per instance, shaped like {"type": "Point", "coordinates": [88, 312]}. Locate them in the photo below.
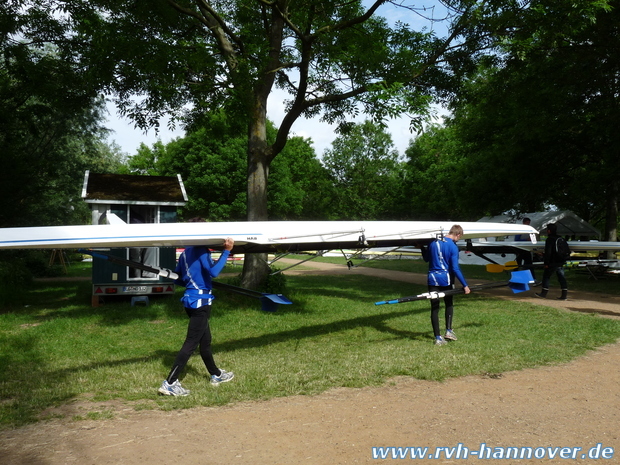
{"type": "Point", "coordinates": [436, 303]}
{"type": "Point", "coordinates": [198, 333]}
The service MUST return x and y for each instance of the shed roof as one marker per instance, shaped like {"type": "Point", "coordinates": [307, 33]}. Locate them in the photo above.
{"type": "Point", "coordinates": [133, 189]}
{"type": "Point", "coordinates": [569, 224]}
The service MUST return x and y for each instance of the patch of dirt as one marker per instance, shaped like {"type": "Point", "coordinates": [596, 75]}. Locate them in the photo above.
{"type": "Point", "coordinates": [576, 404]}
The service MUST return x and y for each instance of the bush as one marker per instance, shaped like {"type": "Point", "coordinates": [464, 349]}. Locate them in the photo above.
{"type": "Point", "coordinates": [15, 272]}
{"type": "Point", "coordinates": [15, 276]}
{"type": "Point", "coordinates": [275, 283]}
{"type": "Point", "coordinates": [19, 267]}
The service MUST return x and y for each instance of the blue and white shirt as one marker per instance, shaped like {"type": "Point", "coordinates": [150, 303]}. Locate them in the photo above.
{"type": "Point", "coordinates": [443, 258]}
{"type": "Point", "coordinates": [196, 268]}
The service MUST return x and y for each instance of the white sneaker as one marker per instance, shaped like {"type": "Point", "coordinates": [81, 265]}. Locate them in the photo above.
{"type": "Point", "coordinates": [224, 377]}
{"type": "Point", "coordinates": [174, 389]}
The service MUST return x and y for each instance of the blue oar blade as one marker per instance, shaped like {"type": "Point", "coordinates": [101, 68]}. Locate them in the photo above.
{"type": "Point", "coordinates": [278, 299]}
{"type": "Point", "coordinates": [520, 280]}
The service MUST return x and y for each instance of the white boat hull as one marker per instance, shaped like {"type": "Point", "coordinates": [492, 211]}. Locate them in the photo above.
{"type": "Point", "coordinates": [250, 237]}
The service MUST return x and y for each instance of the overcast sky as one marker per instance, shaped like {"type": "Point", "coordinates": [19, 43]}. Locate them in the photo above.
{"type": "Point", "coordinates": [322, 135]}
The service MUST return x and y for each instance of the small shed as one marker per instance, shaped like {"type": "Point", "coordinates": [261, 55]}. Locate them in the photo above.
{"type": "Point", "coordinates": [569, 224]}
{"type": "Point", "coordinates": [134, 199]}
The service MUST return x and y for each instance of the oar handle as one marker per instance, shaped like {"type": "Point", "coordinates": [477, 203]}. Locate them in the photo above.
{"type": "Point", "coordinates": [439, 294]}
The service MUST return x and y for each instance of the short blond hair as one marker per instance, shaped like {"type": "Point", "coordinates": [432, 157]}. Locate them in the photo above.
{"type": "Point", "coordinates": [456, 230]}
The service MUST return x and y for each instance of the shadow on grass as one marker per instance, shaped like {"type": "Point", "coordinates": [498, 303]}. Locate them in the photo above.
{"type": "Point", "coordinates": [72, 300]}
{"type": "Point", "coordinates": [377, 322]}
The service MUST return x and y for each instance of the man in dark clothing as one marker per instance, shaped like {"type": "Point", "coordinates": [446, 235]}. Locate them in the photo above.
{"type": "Point", "coordinates": [553, 264]}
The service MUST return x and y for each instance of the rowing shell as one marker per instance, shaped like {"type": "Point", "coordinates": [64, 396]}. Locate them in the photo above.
{"type": "Point", "coordinates": [268, 236]}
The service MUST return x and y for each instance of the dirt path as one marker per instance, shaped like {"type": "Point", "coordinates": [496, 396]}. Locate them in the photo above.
{"type": "Point", "coordinates": [572, 405]}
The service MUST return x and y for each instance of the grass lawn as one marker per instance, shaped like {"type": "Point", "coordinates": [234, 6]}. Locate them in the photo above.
{"type": "Point", "coordinates": [56, 348]}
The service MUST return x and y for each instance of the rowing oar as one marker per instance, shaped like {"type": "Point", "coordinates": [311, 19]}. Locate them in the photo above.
{"type": "Point", "coordinates": [519, 282]}
{"type": "Point", "coordinates": [269, 302]}
{"type": "Point", "coordinates": [163, 272]}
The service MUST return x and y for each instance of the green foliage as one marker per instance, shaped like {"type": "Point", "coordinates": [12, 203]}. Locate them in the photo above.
{"type": "Point", "coordinates": [50, 126]}
{"type": "Point", "coordinates": [213, 164]}
{"type": "Point", "coordinates": [364, 169]}
{"type": "Point", "coordinates": [275, 282]}
{"type": "Point", "coordinates": [14, 273]}
{"type": "Point", "coordinates": [46, 151]}
{"type": "Point", "coordinates": [545, 94]}
{"type": "Point", "coordinates": [299, 185]}
{"type": "Point", "coordinates": [541, 128]}
{"type": "Point", "coordinates": [18, 268]}
{"type": "Point", "coordinates": [434, 188]}
{"type": "Point", "coordinates": [332, 59]}
{"type": "Point", "coordinates": [166, 53]}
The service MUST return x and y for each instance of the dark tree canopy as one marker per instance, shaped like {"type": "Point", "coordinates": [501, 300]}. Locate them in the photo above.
{"type": "Point", "coordinates": [50, 125]}
{"type": "Point", "coordinates": [541, 129]}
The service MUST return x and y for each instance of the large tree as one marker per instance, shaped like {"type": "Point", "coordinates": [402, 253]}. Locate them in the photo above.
{"type": "Point", "coordinates": [333, 58]}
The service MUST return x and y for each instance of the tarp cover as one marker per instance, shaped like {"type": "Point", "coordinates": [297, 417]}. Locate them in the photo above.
{"type": "Point", "coordinates": [568, 223]}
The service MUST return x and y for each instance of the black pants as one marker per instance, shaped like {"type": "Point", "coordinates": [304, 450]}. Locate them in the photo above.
{"type": "Point", "coordinates": [436, 303]}
{"type": "Point", "coordinates": [198, 334]}
{"type": "Point", "coordinates": [559, 271]}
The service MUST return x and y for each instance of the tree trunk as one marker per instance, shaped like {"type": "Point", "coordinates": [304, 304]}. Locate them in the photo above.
{"type": "Point", "coordinates": [255, 266]}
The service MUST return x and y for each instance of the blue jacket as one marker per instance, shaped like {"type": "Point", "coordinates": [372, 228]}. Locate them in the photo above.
{"type": "Point", "coordinates": [443, 259]}
{"type": "Point", "coordinates": [195, 270]}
